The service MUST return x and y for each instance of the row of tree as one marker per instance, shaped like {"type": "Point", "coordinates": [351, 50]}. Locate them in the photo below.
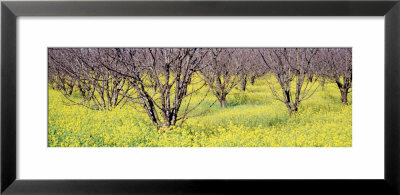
{"type": "Point", "coordinates": [162, 80]}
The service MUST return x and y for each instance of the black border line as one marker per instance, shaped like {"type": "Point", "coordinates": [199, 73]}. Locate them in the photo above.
{"type": "Point", "coordinates": [10, 10]}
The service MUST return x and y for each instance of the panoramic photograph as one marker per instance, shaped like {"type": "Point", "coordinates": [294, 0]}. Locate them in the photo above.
{"type": "Point", "coordinates": [199, 97]}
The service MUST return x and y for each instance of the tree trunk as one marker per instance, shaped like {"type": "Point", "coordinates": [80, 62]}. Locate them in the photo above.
{"type": "Point", "coordinates": [291, 108]}
{"type": "Point", "coordinates": [344, 93]}
{"type": "Point", "coordinates": [293, 111]}
{"type": "Point", "coordinates": [70, 90]}
{"type": "Point", "coordinates": [322, 83]}
{"type": "Point", "coordinates": [252, 80]}
{"type": "Point", "coordinates": [222, 101]}
{"type": "Point", "coordinates": [310, 79]}
{"type": "Point", "coordinates": [53, 85]}
{"type": "Point", "coordinates": [243, 82]}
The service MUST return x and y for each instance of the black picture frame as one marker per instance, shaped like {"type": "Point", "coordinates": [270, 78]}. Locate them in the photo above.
{"type": "Point", "coordinates": [10, 10]}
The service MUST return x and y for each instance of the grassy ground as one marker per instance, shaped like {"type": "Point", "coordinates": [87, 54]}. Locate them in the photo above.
{"type": "Point", "coordinates": [252, 119]}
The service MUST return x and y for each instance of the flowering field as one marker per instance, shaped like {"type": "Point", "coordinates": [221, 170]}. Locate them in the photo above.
{"type": "Point", "coordinates": [253, 118]}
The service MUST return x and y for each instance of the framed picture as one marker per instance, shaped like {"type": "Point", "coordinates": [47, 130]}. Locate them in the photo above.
{"type": "Point", "coordinates": [213, 97]}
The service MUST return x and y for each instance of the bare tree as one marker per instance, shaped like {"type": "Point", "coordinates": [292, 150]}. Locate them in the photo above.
{"type": "Point", "coordinates": [247, 61]}
{"type": "Point", "coordinates": [258, 69]}
{"type": "Point", "coordinates": [60, 71]}
{"type": "Point", "coordinates": [169, 71]}
{"type": "Point", "coordinates": [110, 87]}
{"type": "Point", "coordinates": [257, 72]}
{"type": "Point", "coordinates": [338, 67]}
{"type": "Point", "coordinates": [98, 87]}
{"type": "Point", "coordinates": [221, 72]}
{"type": "Point", "coordinates": [291, 66]}
{"type": "Point", "coordinates": [161, 81]}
